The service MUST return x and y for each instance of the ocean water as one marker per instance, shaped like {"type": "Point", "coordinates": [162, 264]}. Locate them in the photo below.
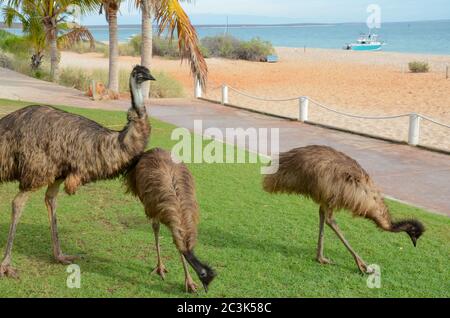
{"type": "Point", "coordinates": [412, 37]}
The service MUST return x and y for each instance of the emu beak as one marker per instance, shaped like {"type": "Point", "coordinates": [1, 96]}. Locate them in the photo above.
{"type": "Point", "coordinates": [149, 77]}
{"type": "Point", "coordinates": [205, 287]}
{"type": "Point", "coordinates": [414, 240]}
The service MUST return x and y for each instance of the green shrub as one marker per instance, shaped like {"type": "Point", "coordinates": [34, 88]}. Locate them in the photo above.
{"type": "Point", "coordinates": [221, 46]}
{"type": "Point", "coordinates": [21, 64]}
{"type": "Point", "coordinates": [79, 78]}
{"type": "Point", "coordinates": [165, 87]}
{"type": "Point", "coordinates": [125, 49]}
{"type": "Point", "coordinates": [14, 44]}
{"type": "Point", "coordinates": [254, 50]}
{"type": "Point", "coordinates": [226, 46]}
{"type": "Point", "coordinates": [135, 44]}
{"type": "Point", "coordinates": [6, 60]}
{"type": "Point", "coordinates": [418, 67]}
{"type": "Point", "coordinates": [165, 48]}
{"type": "Point", "coordinates": [85, 47]}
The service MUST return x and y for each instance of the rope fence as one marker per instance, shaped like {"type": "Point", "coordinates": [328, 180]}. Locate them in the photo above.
{"type": "Point", "coordinates": [304, 101]}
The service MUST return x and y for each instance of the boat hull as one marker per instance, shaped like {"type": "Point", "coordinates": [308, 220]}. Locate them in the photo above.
{"type": "Point", "coordinates": [366, 47]}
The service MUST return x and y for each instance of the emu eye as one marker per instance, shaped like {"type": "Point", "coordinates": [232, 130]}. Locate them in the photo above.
{"type": "Point", "coordinates": [203, 274]}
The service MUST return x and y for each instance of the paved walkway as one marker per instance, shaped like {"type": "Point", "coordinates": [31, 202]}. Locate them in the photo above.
{"type": "Point", "coordinates": [405, 173]}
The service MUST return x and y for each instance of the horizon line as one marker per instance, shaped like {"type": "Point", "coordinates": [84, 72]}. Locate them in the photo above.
{"type": "Point", "coordinates": [281, 24]}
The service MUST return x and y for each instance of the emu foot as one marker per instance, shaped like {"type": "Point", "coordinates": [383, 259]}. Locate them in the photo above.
{"type": "Point", "coordinates": [66, 259]}
{"type": "Point", "coordinates": [322, 260]}
{"type": "Point", "coordinates": [362, 266]}
{"type": "Point", "coordinates": [190, 286]}
{"type": "Point", "coordinates": [161, 271]}
{"type": "Point", "coordinates": [8, 271]}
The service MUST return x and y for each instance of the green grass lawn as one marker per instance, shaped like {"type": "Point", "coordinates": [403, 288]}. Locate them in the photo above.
{"type": "Point", "coordinates": [261, 245]}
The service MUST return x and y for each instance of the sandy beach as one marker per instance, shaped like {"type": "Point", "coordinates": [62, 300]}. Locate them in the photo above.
{"type": "Point", "coordinates": [361, 83]}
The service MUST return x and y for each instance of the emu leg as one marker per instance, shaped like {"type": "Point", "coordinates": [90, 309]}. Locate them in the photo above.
{"type": "Point", "coordinates": [50, 202]}
{"type": "Point", "coordinates": [189, 284]}
{"type": "Point", "coordinates": [160, 269]}
{"type": "Point", "coordinates": [18, 205]}
{"type": "Point", "coordinates": [359, 262]}
{"type": "Point", "coordinates": [320, 258]}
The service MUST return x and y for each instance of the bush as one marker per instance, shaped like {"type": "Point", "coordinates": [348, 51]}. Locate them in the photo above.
{"type": "Point", "coordinates": [165, 48]}
{"type": "Point", "coordinates": [85, 47]}
{"type": "Point", "coordinates": [418, 67]}
{"type": "Point", "coordinates": [6, 60]}
{"type": "Point", "coordinates": [14, 44]}
{"type": "Point", "coordinates": [221, 46]}
{"type": "Point", "coordinates": [21, 64]}
{"type": "Point", "coordinates": [226, 46]}
{"type": "Point", "coordinates": [79, 78]}
{"type": "Point", "coordinates": [254, 50]}
{"type": "Point", "coordinates": [165, 87]}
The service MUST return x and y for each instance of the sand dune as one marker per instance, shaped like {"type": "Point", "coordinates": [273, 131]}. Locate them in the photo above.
{"type": "Point", "coordinates": [363, 83]}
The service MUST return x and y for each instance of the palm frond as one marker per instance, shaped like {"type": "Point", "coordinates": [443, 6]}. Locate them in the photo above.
{"type": "Point", "coordinates": [170, 16]}
{"type": "Point", "coordinates": [75, 35]}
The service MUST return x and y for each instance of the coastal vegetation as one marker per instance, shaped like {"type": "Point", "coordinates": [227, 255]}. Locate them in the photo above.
{"type": "Point", "coordinates": [170, 17]}
{"type": "Point", "coordinates": [419, 67]}
{"type": "Point", "coordinates": [15, 55]}
{"type": "Point", "coordinates": [224, 46]}
{"type": "Point", "coordinates": [45, 26]}
{"type": "Point", "coordinates": [164, 87]}
{"type": "Point", "coordinates": [45, 22]}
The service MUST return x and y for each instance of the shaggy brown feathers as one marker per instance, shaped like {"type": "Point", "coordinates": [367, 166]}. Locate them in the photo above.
{"type": "Point", "coordinates": [329, 178]}
{"type": "Point", "coordinates": [335, 181]}
{"type": "Point", "coordinates": [40, 144]}
{"type": "Point", "coordinates": [167, 192]}
{"type": "Point", "coordinates": [44, 146]}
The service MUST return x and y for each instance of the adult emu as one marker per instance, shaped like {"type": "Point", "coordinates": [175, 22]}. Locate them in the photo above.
{"type": "Point", "coordinates": [167, 192]}
{"type": "Point", "coordinates": [335, 181]}
{"type": "Point", "coordinates": [43, 146]}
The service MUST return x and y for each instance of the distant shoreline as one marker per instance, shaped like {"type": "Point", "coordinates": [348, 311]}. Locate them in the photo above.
{"type": "Point", "coordinates": [249, 25]}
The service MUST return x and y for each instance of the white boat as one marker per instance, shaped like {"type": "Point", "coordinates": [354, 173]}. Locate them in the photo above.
{"type": "Point", "coordinates": [366, 42]}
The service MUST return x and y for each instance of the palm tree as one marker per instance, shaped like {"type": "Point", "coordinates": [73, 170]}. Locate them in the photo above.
{"type": "Point", "coordinates": [111, 8]}
{"type": "Point", "coordinates": [52, 13]}
{"type": "Point", "coordinates": [147, 39]}
{"type": "Point", "coordinates": [170, 17]}
{"type": "Point", "coordinates": [33, 29]}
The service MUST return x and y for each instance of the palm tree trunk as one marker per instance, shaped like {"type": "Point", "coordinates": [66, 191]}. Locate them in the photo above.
{"type": "Point", "coordinates": [113, 84]}
{"type": "Point", "coordinates": [52, 35]}
{"type": "Point", "coordinates": [147, 42]}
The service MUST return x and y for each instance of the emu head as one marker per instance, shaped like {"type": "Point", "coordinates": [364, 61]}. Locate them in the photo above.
{"type": "Point", "coordinates": [412, 227]}
{"type": "Point", "coordinates": [415, 229]}
{"type": "Point", "coordinates": [139, 75]}
{"type": "Point", "coordinates": [206, 276]}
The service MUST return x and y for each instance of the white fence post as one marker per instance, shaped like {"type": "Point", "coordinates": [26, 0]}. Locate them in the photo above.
{"type": "Point", "coordinates": [304, 103]}
{"type": "Point", "coordinates": [198, 89]}
{"type": "Point", "coordinates": [414, 129]}
{"type": "Point", "coordinates": [224, 94]}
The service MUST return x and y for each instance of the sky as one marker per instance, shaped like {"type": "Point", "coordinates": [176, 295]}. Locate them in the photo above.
{"type": "Point", "coordinates": [295, 11]}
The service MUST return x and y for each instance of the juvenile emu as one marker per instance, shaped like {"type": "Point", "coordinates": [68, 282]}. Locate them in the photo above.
{"type": "Point", "coordinates": [335, 181]}
{"type": "Point", "coordinates": [167, 192]}
{"type": "Point", "coordinates": [43, 146]}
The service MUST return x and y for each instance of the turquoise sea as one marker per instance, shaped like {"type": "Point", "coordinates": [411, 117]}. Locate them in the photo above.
{"type": "Point", "coordinates": [414, 37]}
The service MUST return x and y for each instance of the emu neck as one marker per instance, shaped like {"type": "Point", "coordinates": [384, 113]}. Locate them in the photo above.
{"type": "Point", "coordinates": [400, 226]}
{"type": "Point", "coordinates": [137, 98]}
{"type": "Point", "coordinates": [134, 136]}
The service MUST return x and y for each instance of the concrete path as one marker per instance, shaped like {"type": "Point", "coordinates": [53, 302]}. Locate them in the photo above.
{"type": "Point", "coordinates": [405, 173]}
